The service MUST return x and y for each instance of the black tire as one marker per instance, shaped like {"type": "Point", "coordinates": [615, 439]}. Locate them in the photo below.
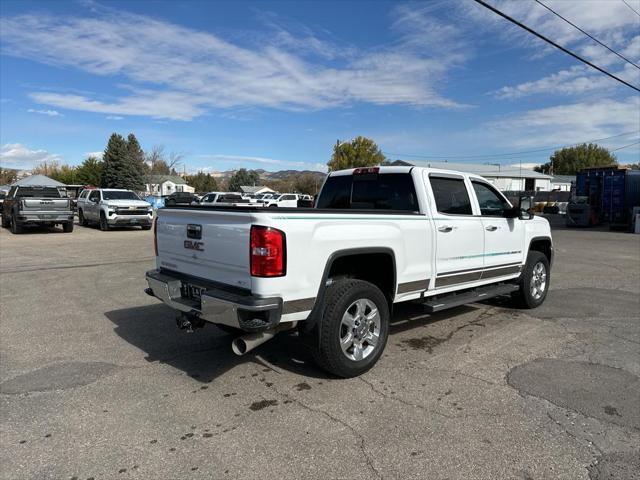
{"type": "Point", "coordinates": [81, 220]}
{"type": "Point", "coordinates": [146, 227]}
{"type": "Point", "coordinates": [273, 205]}
{"type": "Point", "coordinates": [5, 222]}
{"type": "Point", "coordinates": [170, 203]}
{"type": "Point", "coordinates": [104, 226]}
{"type": "Point", "coordinates": [16, 228]}
{"type": "Point", "coordinates": [67, 227]}
{"type": "Point", "coordinates": [340, 298]}
{"type": "Point", "coordinates": [528, 296]}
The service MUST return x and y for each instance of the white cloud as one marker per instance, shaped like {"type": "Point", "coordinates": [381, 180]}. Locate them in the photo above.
{"type": "Point", "coordinates": [16, 155]}
{"type": "Point", "coordinates": [51, 113]}
{"type": "Point", "coordinates": [611, 22]}
{"type": "Point", "coordinates": [97, 155]}
{"type": "Point", "coordinates": [193, 71]}
{"type": "Point", "coordinates": [243, 159]}
{"type": "Point", "coordinates": [567, 124]}
{"type": "Point", "coordinates": [113, 117]}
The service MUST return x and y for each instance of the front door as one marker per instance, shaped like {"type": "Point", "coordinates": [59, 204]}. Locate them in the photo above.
{"type": "Point", "coordinates": [459, 234]}
{"type": "Point", "coordinates": [503, 237]}
{"type": "Point", "coordinates": [92, 208]}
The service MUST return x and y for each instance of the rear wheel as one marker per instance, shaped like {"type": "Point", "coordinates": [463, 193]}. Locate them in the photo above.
{"type": "Point", "coordinates": [534, 281]}
{"type": "Point", "coordinates": [353, 329]}
{"type": "Point", "coordinates": [81, 220]}
{"type": "Point", "coordinates": [146, 227]}
{"type": "Point", "coordinates": [67, 227]}
{"type": "Point", "coordinates": [104, 226]}
{"type": "Point", "coordinates": [16, 228]}
{"type": "Point", "coordinates": [5, 221]}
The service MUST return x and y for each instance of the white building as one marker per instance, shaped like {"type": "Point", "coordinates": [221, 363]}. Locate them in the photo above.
{"type": "Point", "coordinates": [163, 185]}
{"type": "Point", "coordinates": [505, 178]}
{"type": "Point", "coordinates": [562, 183]}
{"type": "Point", "coordinates": [255, 190]}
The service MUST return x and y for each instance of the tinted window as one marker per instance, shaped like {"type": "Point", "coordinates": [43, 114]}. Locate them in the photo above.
{"type": "Point", "coordinates": [491, 202]}
{"type": "Point", "coordinates": [451, 196]}
{"type": "Point", "coordinates": [118, 195]}
{"type": "Point", "coordinates": [288, 197]}
{"type": "Point", "coordinates": [389, 191]}
{"type": "Point", "coordinates": [95, 195]}
{"type": "Point", "coordinates": [46, 192]}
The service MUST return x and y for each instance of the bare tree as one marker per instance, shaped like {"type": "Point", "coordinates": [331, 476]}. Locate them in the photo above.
{"type": "Point", "coordinates": [161, 163]}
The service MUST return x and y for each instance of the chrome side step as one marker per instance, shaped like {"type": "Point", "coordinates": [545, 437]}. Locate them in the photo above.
{"type": "Point", "coordinates": [455, 299]}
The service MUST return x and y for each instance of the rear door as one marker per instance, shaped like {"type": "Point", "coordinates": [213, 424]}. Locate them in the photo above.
{"type": "Point", "coordinates": [503, 237]}
{"type": "Point", "coordinates": [459, 234]}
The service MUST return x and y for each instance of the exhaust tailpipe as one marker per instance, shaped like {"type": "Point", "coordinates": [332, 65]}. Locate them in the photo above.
{"type": "Point", "coordinates": [248, 342]}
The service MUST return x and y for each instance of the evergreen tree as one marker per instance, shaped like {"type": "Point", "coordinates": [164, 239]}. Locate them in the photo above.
{"type": "Point", "coordinates": [90, 171]}
{"type": "Point", "coordinates": [243, 178]}
{"type": "Point", "coordinates": [115, 173]}
{"type": "Point", "coordinates": [135, 163]}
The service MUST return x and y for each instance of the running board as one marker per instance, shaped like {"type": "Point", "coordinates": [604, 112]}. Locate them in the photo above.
{"type": "Point", "coordinates": [451, 300]}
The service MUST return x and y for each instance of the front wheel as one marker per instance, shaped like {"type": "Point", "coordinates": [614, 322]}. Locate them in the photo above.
{"type": "Point", "coordinates": [67, 227]}
{"type": "Point", "coordinates": [104, 226]}
{"type": "Point", "coordinates": [353, 329]}
{"type": "Point", "coordinates": [534, 281]}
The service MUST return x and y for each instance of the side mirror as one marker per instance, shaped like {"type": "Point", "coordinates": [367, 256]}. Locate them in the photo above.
{"type": "Point", "coordinates": [525, 208]}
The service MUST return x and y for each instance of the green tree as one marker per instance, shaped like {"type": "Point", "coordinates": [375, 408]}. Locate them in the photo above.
{"type": "Point", "coordinates": [135, 160]}
{"type": "Point", "coordinates": [202, 182]}
{"type": "Point", "coordinates": [308, 183]}
{"type": "Point", "coordinates": [359, 152]}
{"type": "Point", "coordinates": [62, 173]}
{"type": "Point", "coordinates": [243, 177]}
{"type": "Point", "coordinates": [568, 160]}
{"type": "Point", "coordinates": [89, 172]}
{"type": "Point", "coordinates": [119, 171]}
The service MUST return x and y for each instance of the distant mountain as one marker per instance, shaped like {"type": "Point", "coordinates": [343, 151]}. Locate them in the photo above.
{"type": "Point", "coordinates": [279, 175]}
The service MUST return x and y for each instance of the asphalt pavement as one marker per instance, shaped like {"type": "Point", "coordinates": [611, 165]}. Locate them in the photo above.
{"type": "Point", "coordinates": [96, 381]}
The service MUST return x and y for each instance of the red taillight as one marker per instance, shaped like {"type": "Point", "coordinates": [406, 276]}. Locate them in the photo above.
{"type": "Point", "coordinates": [365, 170]}
{"type": "Point", "coordinates": [155, 235]}
{"type": "Point", "coordinates": [267, 252]}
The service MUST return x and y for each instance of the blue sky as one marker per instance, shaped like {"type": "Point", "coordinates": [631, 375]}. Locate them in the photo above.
{"type": "Point", "coordinates": [273, 84]}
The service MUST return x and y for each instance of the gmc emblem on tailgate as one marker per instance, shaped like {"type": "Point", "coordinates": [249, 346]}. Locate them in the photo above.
{"type": "Point", "coordinates": [191, 245]}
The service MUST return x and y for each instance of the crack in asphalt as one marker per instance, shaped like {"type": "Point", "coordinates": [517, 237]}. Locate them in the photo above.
{"type": "Point", "coordinates": [333, 418]}
{"type": "Point", "coordinates": [574, 436]}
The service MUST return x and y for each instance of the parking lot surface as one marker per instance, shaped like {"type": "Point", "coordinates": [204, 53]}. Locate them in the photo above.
{"type": "Point", "coordinates": [97, 382]}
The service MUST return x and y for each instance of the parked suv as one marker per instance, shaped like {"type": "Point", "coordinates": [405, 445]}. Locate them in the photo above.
{"type": "Point", "coordinates": [284, 200]}
{"type": "Point", "coordinates": [110, 207]}
{"type": "Point", "coordinates": [180, 198]}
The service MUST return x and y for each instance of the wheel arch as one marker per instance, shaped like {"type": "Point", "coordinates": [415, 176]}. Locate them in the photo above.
{"type": "Point", "coordinates": [542, 244]}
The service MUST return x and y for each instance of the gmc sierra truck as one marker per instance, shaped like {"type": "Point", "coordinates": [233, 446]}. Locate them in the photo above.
{"type": "Point", "coordinates": [376, 237]}
{"type": "Point", "coordinates": [29, 206]}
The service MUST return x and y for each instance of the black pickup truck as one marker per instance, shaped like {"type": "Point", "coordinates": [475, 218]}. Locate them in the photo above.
{"type": "Point", "coordinates": [36, 206]}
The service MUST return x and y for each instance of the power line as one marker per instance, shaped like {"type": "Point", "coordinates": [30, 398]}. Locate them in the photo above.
{"type": "Point", "coordinates": [542, 37]}
{"type": "Point", "coordinates": [587, 34]}
{"type": "Point", "coordinates": [509, 154]}
{"type": "Point", "coordinates": [620, 148]}
{"type": "Point", "coordinates": [632, 9]}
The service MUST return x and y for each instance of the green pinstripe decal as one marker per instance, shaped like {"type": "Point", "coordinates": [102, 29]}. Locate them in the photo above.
{"type": "Point", "coordinates": [495, 254]}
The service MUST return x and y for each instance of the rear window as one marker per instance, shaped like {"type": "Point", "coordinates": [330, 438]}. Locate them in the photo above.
{"type": "Point", "coordinates": [117, 195]}
{"type": "Point", "coordinates": [451, 195]}
{"type": "Point", "coordinates": [46, 192]}
{"type": "Point", "coordinates": [387, 191]}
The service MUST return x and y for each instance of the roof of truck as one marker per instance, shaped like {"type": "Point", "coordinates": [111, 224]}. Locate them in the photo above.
{"type": "Point", "coordinates": [406, 169]}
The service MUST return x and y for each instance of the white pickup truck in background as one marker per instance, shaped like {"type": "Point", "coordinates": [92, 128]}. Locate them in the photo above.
{"type": "Point", "coordinates": [377, 236]}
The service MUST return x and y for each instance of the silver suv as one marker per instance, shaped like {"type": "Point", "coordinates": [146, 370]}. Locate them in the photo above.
{"type": "Point", "coordinates": [111, 207]}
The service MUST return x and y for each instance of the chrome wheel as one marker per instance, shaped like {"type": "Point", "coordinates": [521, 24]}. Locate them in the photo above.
{"type": "Point", "coordinates": [360, 329]}
{"type": "Point", "coordinates": [538, 281]}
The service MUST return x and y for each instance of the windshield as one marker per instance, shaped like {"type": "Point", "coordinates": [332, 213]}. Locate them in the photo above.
{"type": "Point", "coordinates": [119, 195]}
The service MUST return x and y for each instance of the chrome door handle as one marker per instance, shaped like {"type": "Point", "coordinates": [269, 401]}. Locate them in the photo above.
{"type": "Point", "coordinates": [445, 228]}
{"type": "Point", "coordinates": [491, 228]}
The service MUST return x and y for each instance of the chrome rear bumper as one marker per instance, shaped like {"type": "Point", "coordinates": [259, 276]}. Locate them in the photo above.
{"type": "Point", "coordinates": [242, 311]}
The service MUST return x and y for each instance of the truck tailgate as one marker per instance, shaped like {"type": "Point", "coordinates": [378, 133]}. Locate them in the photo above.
{"type": "Point", "coordinates": [45, 204]}
{"type": "Point", "coordinates": [207, 244]}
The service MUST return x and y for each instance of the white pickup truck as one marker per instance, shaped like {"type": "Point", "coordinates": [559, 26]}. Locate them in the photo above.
{"type": "Point", "coordinates": [377, 236]}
